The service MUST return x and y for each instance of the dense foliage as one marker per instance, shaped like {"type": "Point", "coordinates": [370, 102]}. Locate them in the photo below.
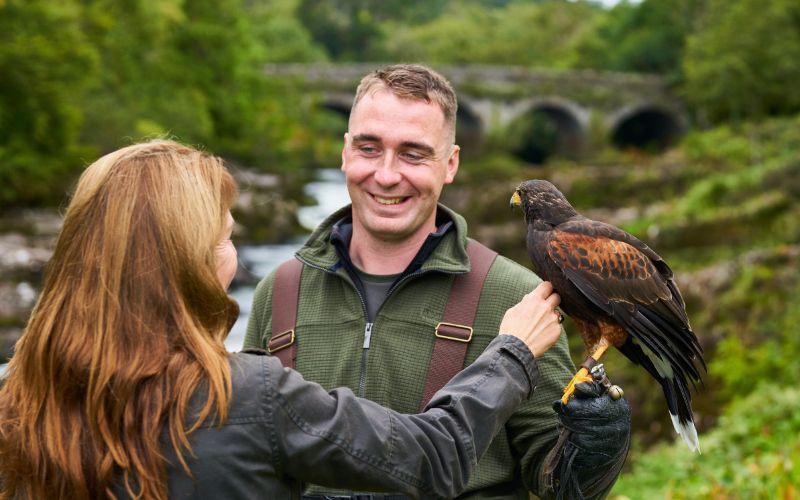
{"type": "Point", "coordinates": [647, 37]}
{"type": "Point", "coordinates": [532, 34]}
{"type": "Point", "coordinates": [84, 77]}
{"type": "Point", "coordinates": [742, 60]}
{"type": "Point", "coordinates": [752, 453]}
{"type": "Point", "coordinates": [39, 116]}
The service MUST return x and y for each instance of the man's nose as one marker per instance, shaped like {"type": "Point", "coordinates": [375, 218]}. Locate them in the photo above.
{"type": "Point", "coordinates": [387, 173]}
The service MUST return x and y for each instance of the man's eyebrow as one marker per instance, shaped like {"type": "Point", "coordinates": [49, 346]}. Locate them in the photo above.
{"type": "Point", "coordinates": [366, 138]}
{"type": "Point", "coordinates": [422, 148]}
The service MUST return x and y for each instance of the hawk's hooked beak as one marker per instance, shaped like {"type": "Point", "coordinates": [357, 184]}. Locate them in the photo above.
{"type": "Point", "coordinates": [516, 201]}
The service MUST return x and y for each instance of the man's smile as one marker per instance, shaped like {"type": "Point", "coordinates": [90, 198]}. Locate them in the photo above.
{"type": "Point", "coordinates": [389, 201]}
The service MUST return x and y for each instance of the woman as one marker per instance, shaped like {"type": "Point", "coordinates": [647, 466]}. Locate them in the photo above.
{"type": "Point", "coordinates": [121, 385]}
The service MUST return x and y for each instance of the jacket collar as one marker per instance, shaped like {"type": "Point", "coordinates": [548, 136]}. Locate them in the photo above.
{"type": "Point", "coordinates": [449, 255]}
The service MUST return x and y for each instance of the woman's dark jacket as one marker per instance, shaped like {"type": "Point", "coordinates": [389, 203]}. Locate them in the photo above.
{"type": "Point", "coordinates": [282, 431]}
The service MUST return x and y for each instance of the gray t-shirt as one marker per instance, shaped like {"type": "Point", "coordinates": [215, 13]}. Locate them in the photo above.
{"type": "Point", "coordinates": [375, 289]}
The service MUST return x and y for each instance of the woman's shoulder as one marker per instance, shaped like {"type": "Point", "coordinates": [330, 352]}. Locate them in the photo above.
{"type": "Point", "coordinates": [248, 367]}
{"type": "Point", "coordinates": [250, 381]}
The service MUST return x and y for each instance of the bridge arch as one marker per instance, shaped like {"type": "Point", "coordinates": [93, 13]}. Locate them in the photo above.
{"type": "Point", "coordinates": [339, 103]}
{"type": "Point", "coordinates": [546, 127]}
{"type": "Point", "coordinates": [469, 126]}
{"type": "Point", "coordinates": [646, 126]}
{"type": "Point", "coordinates": [338, 108]}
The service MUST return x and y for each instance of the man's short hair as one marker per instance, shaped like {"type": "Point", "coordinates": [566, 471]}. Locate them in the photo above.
{"type": "Point", "coordinates": [412, 81]}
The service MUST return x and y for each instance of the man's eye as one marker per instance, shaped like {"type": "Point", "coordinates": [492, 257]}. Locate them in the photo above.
{"type": "Point", "coordinates": [368, 150]}
{"type": "Point", "coordinates": [413, 157]}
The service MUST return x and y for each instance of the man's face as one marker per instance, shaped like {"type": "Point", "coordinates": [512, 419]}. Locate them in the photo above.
{"type": "Point", "coordinates": [397, 156]}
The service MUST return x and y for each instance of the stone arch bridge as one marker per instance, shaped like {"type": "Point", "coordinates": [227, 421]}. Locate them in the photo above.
{"type": "Point", "coordinates": [576, 110]}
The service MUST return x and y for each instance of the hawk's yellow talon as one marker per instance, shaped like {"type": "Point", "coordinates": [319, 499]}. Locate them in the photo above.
{"type": "Point", "coordinates": [581, 376]}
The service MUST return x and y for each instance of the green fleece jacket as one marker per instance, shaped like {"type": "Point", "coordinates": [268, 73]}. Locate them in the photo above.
{"type": "Point", "coordinates": [330, 330]}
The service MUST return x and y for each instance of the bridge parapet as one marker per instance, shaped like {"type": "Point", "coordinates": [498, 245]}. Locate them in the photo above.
{"type": "Point", "coordinates": [631, 109]}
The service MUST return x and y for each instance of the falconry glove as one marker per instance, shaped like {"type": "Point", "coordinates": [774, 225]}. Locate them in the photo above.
{"type": "Point", "coordinates": [594, 436]}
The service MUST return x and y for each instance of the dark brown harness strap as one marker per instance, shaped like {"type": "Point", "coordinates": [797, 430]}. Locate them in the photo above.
{"type": "Point", "coordinates": [285, 294]}
{"type": "Point", "coordinates": [454, 332]}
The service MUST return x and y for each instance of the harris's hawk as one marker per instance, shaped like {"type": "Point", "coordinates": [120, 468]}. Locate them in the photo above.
{"type": "Point", "coordinates": [618, 291]}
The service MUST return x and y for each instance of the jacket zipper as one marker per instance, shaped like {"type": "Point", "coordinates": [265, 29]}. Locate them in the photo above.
{"type": "Point", "coordinates": [362, 378]}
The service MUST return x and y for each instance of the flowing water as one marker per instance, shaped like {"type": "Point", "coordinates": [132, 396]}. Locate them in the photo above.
{"type": "Point", "coordinates": [331, 193]}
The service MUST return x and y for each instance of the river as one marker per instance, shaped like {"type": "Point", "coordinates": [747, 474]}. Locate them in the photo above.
{"type": "Point", "coordinates": [331, 193]}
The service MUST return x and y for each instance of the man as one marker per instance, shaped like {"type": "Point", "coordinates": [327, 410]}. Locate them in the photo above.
{"type": "Point", "coordinates": [377, 277]}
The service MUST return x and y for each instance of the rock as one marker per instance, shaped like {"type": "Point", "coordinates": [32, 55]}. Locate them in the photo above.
{"type": "Point", "coordinates": [8, 338]}
{"type": "Point", "coordinates": [248, 179]}
{"type": "Point", "coordinates": [16, 300]}
{"type": "Point", "coordinates": [25, 249]}
{"type": "Point", "coordinates": [18, 256]}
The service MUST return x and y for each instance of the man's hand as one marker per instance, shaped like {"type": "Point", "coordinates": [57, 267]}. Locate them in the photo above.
{"type": "Point", "coordinates": [594, 435]}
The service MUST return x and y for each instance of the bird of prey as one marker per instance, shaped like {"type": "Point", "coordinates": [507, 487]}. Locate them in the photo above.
{"type": "Point", "coordinates": [618, 291]}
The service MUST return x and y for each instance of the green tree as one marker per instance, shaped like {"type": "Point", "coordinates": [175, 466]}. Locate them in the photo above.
{"type": "Point", "coordinates": [214, 54]}
{"type": "Point", "coordinates": [648, 37]}
{"type": "Point", "coordinates": [191, 71]}
{"type": "Point", "coordinates": [45, 63]}
{"type": "Point", "coordinates": [528, 34]}
{"type": "Point", "coordinates": [346, 28]}
{"type": "Point", "coordinates": [356, 30]}
{"type": "Point", "coordinates": [281, 37]}
{"type": "Point", "coordinates": [146, 87]}
{"type": "Point", "coordinates": [743, 63]}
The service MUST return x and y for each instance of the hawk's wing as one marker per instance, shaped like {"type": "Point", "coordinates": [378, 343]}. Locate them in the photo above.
{"type": "Point", "coordinates": [628, 281]}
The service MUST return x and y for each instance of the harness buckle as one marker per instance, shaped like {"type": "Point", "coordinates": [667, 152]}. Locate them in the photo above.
{"type": "Point", "coordinates": [452, 331]}
{"type": "Point", "coordinates": [280, 341]}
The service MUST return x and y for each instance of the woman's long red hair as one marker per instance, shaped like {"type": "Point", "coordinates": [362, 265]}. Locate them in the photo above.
{"type": "Point", "coordinates": [131, 319]}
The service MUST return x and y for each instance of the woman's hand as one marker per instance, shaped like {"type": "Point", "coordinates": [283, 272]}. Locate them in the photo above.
{"type": "Point", "coordinates": [535, 320]}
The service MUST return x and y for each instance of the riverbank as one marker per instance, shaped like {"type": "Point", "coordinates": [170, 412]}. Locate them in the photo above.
{"type": "Point", "coordinates": [273, 215]}
{"type": "Point", "coordinates": [26, 245]}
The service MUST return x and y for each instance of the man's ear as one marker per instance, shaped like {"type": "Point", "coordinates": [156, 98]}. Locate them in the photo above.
{"type": "Point", "coordinates": [452, 164]}
{"type": "Point", "coordinates": [344, 148]}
